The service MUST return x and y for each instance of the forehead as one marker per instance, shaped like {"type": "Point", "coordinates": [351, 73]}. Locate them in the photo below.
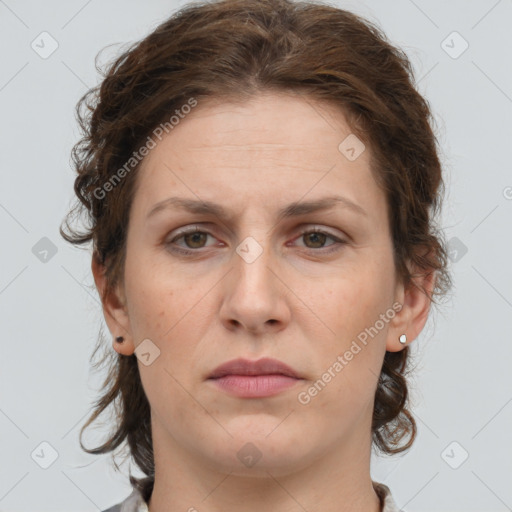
{"type": "Point", "coordinates": [271, 146]}
{"type": "Point", "coordinates": [269, 118]}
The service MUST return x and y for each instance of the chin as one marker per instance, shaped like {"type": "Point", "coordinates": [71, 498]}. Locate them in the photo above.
{"type": "Point", "coordinates": [259, 449]}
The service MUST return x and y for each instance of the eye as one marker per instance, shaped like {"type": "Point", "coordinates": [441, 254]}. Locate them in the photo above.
{"type": "Point", "coordinates": [317, 238]}
{"type": "Point", "coordinates": [194, 239]}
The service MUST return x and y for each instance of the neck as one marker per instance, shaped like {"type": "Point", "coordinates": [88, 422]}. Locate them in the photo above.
{"type": "Point", "coordinates": [338, 481]}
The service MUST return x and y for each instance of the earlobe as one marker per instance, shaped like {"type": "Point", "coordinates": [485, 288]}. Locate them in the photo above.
{"type": "Point", "coordinates": [114, 310]}
{"type": "Point", "coordinates": [397, 343]}
{"type": "Point", "coordinates": [410, 320]}
{"type": "Point", "coordinates": [123, 347]}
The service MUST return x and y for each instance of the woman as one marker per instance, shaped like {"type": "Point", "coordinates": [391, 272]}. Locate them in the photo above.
{"type": "Point", "coordinates": [261, 180]}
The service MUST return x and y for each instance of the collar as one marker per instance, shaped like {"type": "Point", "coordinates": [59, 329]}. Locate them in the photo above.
{"type": "Point", "coordinates": [135, 503]}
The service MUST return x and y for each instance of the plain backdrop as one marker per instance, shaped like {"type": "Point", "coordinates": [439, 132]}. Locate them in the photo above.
{"type": "Point", "coordinates": [50, 314]}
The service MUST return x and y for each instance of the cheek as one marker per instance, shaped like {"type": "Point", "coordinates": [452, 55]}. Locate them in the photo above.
{"type": "Point", "coordinates": [148, 315]}
{"type": "Point", "coordinates": [156, 295]}
{"type": "Point", "coordinates": [174, 313]}
{"type": "Point", "coordinates": [351, 302]}
{"type": "Point", "coordinates": [351, 307]}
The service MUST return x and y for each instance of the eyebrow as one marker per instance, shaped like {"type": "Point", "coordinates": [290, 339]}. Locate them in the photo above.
{"type": "Point", "coordinates": [294, 209]}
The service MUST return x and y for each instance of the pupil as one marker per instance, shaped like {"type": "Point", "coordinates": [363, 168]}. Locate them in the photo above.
{"type": "Point", "coordinates": [315, 236]}
{"type": "Point", "coordinates": [195, 239]}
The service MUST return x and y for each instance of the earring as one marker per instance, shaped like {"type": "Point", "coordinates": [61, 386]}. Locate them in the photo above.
{"type": "Point", "coordinates": [403, 339]}
{"type": "Point", "coordinates": [119, 339]}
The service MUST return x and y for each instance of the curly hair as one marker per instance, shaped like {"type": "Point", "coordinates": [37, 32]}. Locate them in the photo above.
{"type": "Point", "coordinates": [231, 49]}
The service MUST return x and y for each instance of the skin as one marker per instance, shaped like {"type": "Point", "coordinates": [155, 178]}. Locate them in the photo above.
{"type": "Point", "coordinates": [296, 302]}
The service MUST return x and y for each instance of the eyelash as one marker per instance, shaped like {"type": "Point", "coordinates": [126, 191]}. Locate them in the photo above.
{"type": "Point", "coordinates": [188, 252]}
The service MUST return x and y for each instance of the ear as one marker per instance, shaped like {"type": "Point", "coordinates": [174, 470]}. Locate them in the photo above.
{"type": "Point", "coordinates": [114, 309]}
{"type": "Point", "coordinates": [411, 319]}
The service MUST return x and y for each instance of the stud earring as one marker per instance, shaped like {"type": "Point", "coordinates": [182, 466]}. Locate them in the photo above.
{"type": "Point", "coordinates": [119, 339]}
{"type": "Point", "coordinates": [403, 339]}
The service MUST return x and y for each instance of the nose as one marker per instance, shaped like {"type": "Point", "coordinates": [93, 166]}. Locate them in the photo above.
{"type": "Point", "coordinates": [254, 294]}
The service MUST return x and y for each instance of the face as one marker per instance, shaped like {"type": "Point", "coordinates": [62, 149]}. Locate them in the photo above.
{"type": "Point", "coordinates": [305, 288]}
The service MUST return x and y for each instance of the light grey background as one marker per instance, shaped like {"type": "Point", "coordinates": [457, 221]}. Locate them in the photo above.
{"type": "Point", "coordinates": [50, 313]}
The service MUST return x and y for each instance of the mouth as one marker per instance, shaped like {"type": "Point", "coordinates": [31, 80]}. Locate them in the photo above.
{"type": "Point", "coordinates": [254, 386]}
{"type": "Point", "coordinates": [264, 366]}
{"type": "Point", "coordinates": [254, 379]}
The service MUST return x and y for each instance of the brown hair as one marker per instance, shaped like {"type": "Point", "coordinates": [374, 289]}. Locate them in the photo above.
{"type": "Point", "coordinates": [234, 49]}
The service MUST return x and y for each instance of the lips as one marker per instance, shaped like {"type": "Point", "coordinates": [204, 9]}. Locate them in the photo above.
{"type": "Point", "coordinates": [264, 366]}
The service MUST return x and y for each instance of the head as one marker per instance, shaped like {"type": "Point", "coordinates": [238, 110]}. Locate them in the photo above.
{"type": "Point", "coordinates": [256, 111]}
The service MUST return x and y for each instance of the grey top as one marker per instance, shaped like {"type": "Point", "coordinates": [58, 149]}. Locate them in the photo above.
{"type": "Point", "coordinates": [135, 503]}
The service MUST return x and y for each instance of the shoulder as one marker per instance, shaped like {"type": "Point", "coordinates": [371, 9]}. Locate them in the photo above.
{"type": "Point", "coordinates": [133, 503]}
{"type": "Point", "coordinates": [384, 493]}
{"type": "Point", "coordinates": [114, 508]}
